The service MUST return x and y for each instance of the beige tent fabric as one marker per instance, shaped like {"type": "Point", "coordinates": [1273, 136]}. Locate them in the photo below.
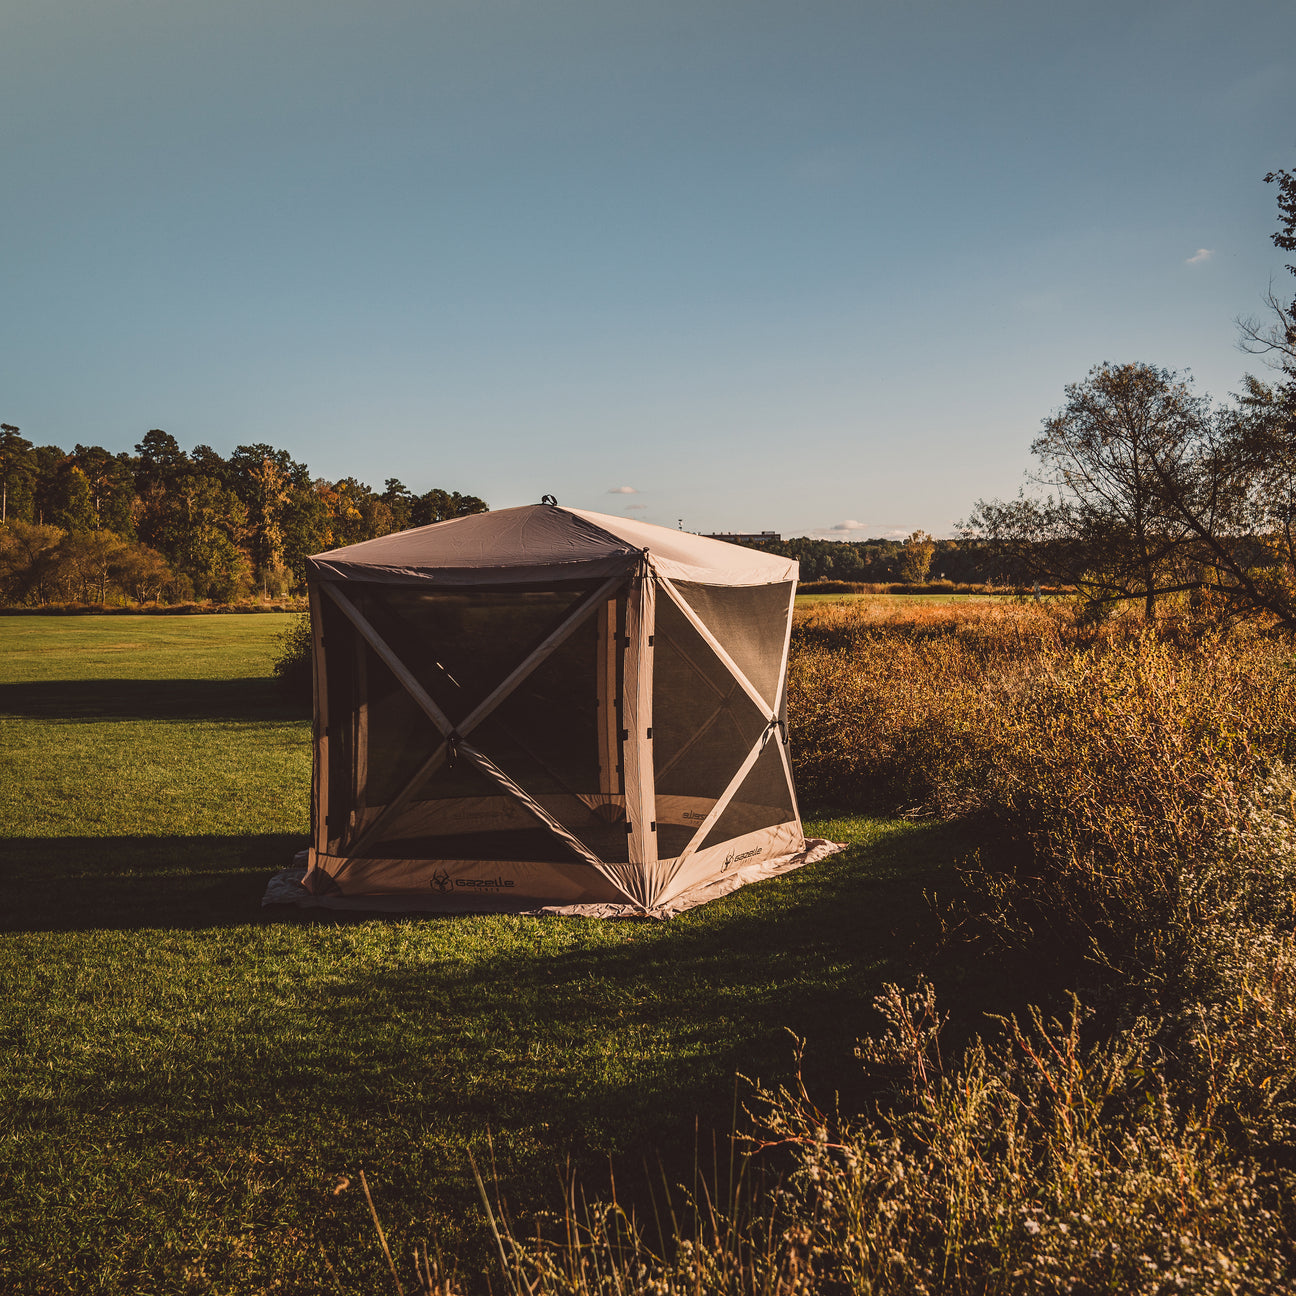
{"type": "Point", "coordinates": [445, 780]}
{"type": "Point", "coordinates": [536, 544]}
{"type": "Point", "coordinates": [286, 888]}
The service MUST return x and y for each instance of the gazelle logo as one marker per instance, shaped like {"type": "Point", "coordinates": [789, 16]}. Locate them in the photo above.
{"type": "Point", "coordinates": [731, 859]}
{"type": "Point", "coordinates": [443, 882]}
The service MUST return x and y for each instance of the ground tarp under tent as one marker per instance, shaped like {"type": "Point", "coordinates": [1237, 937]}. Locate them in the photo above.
{"type": "Point", "coordinates": [547, 709]}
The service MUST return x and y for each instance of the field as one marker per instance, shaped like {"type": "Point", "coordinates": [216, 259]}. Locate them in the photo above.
{"type": "Point", "coordinates": [188, 1086]}
{"type": "Point", "coordinates": [1049, 1015]}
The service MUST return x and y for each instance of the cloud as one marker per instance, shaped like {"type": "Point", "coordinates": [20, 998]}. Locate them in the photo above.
{"type": "Point", "coordinates": [631, 507]}
{"type": "Point", "coordinates": [623, 490]}
{"type": "Point", "coordinates": [840, 530]}
{"type": "Point", "coordinates": [1202, 254]}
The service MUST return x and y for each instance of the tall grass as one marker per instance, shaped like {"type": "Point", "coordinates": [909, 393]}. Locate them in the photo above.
{"type": "Point", "coordinates": [1101, 763]}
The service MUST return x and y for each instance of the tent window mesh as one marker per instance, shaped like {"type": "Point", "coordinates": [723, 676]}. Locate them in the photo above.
{"type": "Point", "coordinates": [544, 735]}
{"type": "Point", "coordinates": [460, 643]}
{"type": "Point", "coordinates": [750, 621]}
{"type": "Point", "coordinates": [763, 801]}
{"type": "Point", "coordinates": [704, 725]}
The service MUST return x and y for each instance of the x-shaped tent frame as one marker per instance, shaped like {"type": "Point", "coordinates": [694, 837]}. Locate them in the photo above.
{"type": "Point", "coordinates": [639, 780]}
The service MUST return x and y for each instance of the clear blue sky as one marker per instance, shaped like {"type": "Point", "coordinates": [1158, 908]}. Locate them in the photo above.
{"type": "Point", "coordinates": [814, 267]}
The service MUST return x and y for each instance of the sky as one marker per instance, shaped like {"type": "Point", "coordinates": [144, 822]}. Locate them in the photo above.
{"type": "Point", "coordinates": [807, 266]}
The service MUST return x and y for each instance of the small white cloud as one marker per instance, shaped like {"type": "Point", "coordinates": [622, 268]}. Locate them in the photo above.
{"type": "Point", "coordinates": [632, 507]}
{"type": "Point", "coordinates": [623, 490]}
{"type": "Point", "coordinates": [1202, 254]}
{"type": "Point", "coordinates": [840, 530]}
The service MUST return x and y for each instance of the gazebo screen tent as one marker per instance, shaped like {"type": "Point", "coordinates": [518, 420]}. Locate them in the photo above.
{"type": "Point", "coordinates": [545, 708]}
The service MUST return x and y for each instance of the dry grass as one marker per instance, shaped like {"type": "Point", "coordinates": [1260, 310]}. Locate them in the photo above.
{"type": "Point", "coordinates": [1101, 762]}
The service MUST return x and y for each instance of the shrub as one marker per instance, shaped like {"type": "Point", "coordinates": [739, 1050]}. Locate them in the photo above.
{"type": "Point", "coordinates": [294, 665]}
{"type": "Point", "coordinates": [1100, 762]}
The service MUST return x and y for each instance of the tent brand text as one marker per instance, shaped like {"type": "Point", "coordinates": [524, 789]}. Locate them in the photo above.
{"type": "Point", "coordinates": [731, 859]}
{"type": "Point", "coordinates": [482, 882]}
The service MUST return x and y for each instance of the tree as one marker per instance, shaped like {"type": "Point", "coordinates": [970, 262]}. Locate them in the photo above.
{"type": "Point", "coordinates": [916, 557]}
{"type": "Point", "coordinates": [266, 479]}
{"type": "Point", "coordinates": [17, 468]}
{"type": "Point", "coordinates": [1121, 450]}
{"type": "Point", "coordinates": [141, 572]}
{"type": "Point", "coordinates": [440, 506]}
{"type": "Point", "coordinates": [160, 460]}
{"type": "Point", "coordinates": [400, 501]}
{"type": "Point", "coordinates": [211, 528]}
{"type": "Point", "coordinates": [1237, 502]}
{"type": "Point", "coordinates": [1241, 508]}
{"type": "Point", "coordinates": [74, 507]}
{"type": "Point", "coordinates": [86, 563]}
{"type": "Point", "coordinates": [111, 479]}
{"type": "Point", "coordinates": [29, 561]}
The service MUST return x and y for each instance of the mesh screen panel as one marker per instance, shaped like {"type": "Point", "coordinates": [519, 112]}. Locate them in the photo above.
{"type": "Point", "coordinates": [460, 643]}
{"type": "Point", "coordinates": [763, 801]}
{"type": "Point", "coordinates": [378, 736]}
{"type": "Point", "coordinates": [544, 735]}
{"type": "Point", "coordinates": [750, 621]}
{"type": "Point", "coordinates": [703, 723]}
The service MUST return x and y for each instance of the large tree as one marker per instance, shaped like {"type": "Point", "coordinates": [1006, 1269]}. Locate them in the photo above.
{"type": "Point", "coordinates": [17, 470]}
{"type": "Point", "coordinates": [1111, 457]}
{"type": "Point", "coordinates": [267, 481]}
{"type": "Point", "coordinates": [916, 557]}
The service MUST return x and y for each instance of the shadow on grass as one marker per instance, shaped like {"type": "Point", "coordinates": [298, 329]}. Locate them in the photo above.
{"type": "Point", "coordinates": [95, 700]}
{"type": "Point", "coordinates": [127, 883]}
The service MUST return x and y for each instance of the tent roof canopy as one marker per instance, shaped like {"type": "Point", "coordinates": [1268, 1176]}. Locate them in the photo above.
{"type": "Point", "coordinates": [541, 543]}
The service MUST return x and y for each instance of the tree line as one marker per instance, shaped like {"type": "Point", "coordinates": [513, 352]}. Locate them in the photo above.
{"type": "Point", "coordinates": [917, 558]}
{"type": "Point", "coordinates": [161, 524]}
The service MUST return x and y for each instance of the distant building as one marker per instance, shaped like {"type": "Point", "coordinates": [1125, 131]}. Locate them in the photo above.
{"type": "Point", "coordinates": [744, 537]}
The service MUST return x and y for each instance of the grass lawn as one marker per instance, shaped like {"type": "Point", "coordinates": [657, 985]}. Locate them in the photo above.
{"type": "Point", "coordinates": [185, 1080]}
